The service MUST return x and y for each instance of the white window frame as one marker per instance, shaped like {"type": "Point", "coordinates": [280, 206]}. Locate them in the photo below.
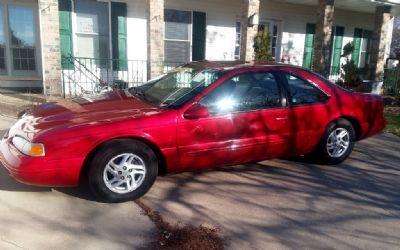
{"type": "Point", "coordinates": [10, 71]}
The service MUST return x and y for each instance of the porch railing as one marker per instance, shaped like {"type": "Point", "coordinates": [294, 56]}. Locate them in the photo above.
{"type": "Point", "coordinates": [391, 81]}
{"type": "Point", "coordinates": [82, 76]}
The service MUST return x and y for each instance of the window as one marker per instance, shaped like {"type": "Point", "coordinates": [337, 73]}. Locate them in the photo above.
{"type": "Point", "coordinates": [22, 38]}
{"type": "Point", "coordinates": [177, 35]}
{"type": "Point", "coordinates": [302, 92]}
{"type": "Point", "coordinates": [2, 44]}
{"type": "Point", "coordinates": [19, 44]}
{"type": "Point", "coordinates": [244, 92]}
{"type": "Point", "coordinates": [237, 41]}
{"type": "Point", "coordinates": [92, 29]}
{"type": "Point", "coordinates": [364, 49]}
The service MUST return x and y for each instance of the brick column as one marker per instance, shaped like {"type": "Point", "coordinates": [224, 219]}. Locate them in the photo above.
{"type": "Point", "coordinates": [155, 33]}
{"type": "Point", "coordinates": [323, 31]}
{"type": "Point", "coordinates": [379, 41]}
{"type": "Point", "coordinates": [50, 41]}
{"type": "Point", "coordinates": [249, 8]}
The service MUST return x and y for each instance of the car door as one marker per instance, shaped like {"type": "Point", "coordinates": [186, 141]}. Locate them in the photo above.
{"type": "Point", "coordinates": [308, 112]}
{"type": "Point", "coordinates": [248, 121]}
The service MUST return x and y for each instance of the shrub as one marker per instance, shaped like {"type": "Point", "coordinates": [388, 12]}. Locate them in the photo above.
{"type": "Point", "coordinates": [262, 46]}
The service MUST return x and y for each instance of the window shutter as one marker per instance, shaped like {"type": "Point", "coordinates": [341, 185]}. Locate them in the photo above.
{"type": "Point", "coordinates": [65, 8]}
{"type": "Point", "coordinates": [357, 44]}
{"type": "Point", "coordinates": [309, 46]}
{"type": "Point", "coordinates": [199, 36]}
{"type": "Point", "coordinates": [337, 49]}
{"type": "Point", "coordinates": [119, 36]}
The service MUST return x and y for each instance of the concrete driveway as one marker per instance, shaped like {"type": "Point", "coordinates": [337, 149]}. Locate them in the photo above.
{"type": "Point", "coordinates": [66, 218]}
{"type": "Point", "coordinates": [294, 205]}
{"type": "Point", "coordinates": [276, 204]}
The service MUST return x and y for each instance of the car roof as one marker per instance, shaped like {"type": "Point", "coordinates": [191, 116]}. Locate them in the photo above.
{"type": "Point", "coordinates": [232, 65]}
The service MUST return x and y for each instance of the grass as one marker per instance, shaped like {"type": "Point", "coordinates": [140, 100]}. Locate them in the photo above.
{"type": "Point", "coordinates": [392, 115]}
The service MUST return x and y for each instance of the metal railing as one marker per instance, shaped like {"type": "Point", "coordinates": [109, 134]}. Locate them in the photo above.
{"type": "Point", "coordinates": [335, 74]}
{"type": "Point", "coordinates": [391, 81]}
{"type": "Point", "coordinates": [83, 76]}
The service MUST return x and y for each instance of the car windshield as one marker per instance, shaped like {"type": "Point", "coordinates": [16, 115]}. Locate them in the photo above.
{"type": "Point", "coordinates": [177, 87]}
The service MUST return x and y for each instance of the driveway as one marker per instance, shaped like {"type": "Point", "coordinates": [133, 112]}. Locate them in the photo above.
{"type": "Point", "coordinates": [276, 204]}
{"type": "Point", "coordinates": [284, 204]}
{"type": "Point", "coordinates": [66, 218]}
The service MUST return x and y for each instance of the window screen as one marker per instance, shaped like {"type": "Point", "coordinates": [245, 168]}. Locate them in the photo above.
{"type": "Point", "coordinates": [177, 35]}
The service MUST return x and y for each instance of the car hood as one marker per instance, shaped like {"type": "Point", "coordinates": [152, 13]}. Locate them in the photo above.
{"type": "Point", "coordinates": [107, 107]}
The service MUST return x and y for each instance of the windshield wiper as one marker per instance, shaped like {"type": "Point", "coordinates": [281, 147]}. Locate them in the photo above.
{"type": "Point", "coordinates": [139, 92]}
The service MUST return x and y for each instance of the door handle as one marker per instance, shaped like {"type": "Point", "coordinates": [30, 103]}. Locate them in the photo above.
{"type": "Point", "coordinates": [283, 118]}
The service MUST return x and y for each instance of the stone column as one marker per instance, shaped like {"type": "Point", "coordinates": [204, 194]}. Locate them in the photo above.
{"type": "Point", "coordinates": [323, 31]}
{"type": "Point", "coordinates": [379, 41]}
{"type": "Point", "coordinates": [249, 8]}
{"type": "Point", "coordinates": [155, 33]}
{"type": "Point", "coordinates": [50, 41]}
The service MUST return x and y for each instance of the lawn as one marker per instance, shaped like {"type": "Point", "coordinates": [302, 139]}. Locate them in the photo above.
{"type": "Point", "coordinates": [392, 115]}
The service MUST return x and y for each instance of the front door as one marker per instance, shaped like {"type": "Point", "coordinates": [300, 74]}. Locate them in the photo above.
{"type": "Point", "coordinates": [248, 121]}
{"type": "Point", "coordinates": [275, 30]}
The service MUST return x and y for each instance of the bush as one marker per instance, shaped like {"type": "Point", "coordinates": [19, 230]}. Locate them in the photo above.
{"type": "Point", "coordinates": [349, 75]}
{"type": "Point", "coordinates": [262, 48]}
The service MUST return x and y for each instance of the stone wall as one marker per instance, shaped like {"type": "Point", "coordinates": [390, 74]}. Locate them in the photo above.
{"type": "Point", "coordinates": [323, 31]}
{"type": "Point", "coordinates": [50, 41]}
{"type": "Point", "coordinates": [155, 37]}
{"type": "Point", "coordinates": [249, 8]}
{"type": "Point", "coordinates": [379, 41]}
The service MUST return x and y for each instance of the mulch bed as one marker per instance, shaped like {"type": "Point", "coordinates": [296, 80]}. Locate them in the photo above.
{"type": "Point", "coordinates": [178, 237]}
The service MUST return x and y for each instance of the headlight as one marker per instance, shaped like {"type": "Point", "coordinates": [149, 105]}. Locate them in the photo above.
{"type": "Point", "coordinates": [27, 147]}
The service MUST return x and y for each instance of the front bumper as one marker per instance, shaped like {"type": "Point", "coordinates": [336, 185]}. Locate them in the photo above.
{"type": "Point", "coordinates": [39, 171]}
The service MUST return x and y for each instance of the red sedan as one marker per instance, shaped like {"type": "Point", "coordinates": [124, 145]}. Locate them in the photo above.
{"type": "Point", "coordinates": [197, 116]}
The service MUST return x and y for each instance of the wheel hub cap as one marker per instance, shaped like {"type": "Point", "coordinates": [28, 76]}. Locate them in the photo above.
{"type": "Point", "coordinates": [124, 173]}
{"type": "Point", "coordinates": [338, 142]}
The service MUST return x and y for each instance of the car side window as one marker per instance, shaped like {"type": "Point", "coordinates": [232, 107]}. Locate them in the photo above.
{"type": "Point", "coordinates": [301, 92]}
{"type": "Point", "coordinates": [244, 92]}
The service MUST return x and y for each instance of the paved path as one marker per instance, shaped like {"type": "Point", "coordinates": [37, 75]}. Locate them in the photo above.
{"type": "Point", "coordinates": [66, 218]}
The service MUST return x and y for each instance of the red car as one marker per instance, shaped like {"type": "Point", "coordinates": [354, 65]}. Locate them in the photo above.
{"type": "Point", "coordinates": [197, 116]}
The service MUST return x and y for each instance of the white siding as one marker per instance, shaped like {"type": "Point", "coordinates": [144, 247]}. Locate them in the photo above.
{"type": "Point", "coordinates": [221, 16]}
{"type": "Point", "coordinates": [294, 18]}
{"type": "Point", "coordinates": [137, 30]}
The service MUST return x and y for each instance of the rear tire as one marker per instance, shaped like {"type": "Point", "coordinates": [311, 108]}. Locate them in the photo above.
{"type": "Point", "coordinates": [122, 170]}
{"type": "Point", "coordinates": [337, 143]}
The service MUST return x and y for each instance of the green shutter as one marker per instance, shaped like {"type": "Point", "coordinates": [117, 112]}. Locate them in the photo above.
{"type": "Point", "coordinates": [337, 49]}
{"type": "Point", "coordinates": [309, 46]}
{"type": "Point", "coordinates": [199, 36]}
{"type": "Point", "coordinates": [65, 8]}
{"type": "Point", "coordinates": [357, 44]}
{"type": "Point", "coordinates": [119, 36]}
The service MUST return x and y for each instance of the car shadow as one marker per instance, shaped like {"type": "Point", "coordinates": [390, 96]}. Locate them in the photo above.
{"type": "Point", "coordinates": [7, 183]}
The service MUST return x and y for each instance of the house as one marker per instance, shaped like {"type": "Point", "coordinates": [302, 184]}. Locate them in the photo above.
{"type": "Point", "coordinates": [68, 47]}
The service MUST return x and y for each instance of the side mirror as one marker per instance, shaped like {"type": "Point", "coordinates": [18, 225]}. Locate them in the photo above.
{"type": "Point", "coordinates": [195, 112]}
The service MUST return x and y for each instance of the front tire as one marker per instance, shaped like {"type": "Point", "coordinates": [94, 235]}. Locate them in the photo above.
{"type": "Point", "coordinates": [122, 170]}
{"type": "Point", "coordinates": [337, 143]}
